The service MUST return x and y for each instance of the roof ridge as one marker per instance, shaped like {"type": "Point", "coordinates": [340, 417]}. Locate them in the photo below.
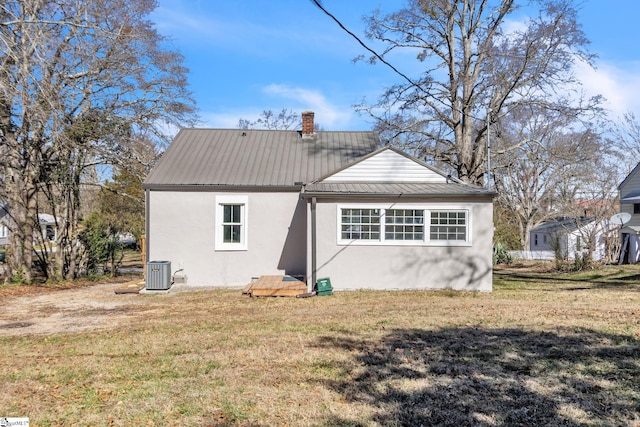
{"type": "Point", "coordinates": [275, 130]}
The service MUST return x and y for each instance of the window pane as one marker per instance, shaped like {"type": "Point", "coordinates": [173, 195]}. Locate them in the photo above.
{"type": "Point", "coordinates": [231, 233]}
{"type": "Point", "coordinates": [235, 217]}
{"type": "Point", "coordinates": [227, 213]}
{"type": "Point", "coordinates": [232, 214]}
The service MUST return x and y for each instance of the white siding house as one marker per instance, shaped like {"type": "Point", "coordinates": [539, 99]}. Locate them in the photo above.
{"type": "Point", "coordinates": [47, 230]}
{"type": "Point", "coordinates": [226, 206]}
{"type": "Point", "coordinates": [629, 193]}
{"type": "Point", "coordinates": [570, 236]}
{"type": "Point", "coordinates": [4, 229]}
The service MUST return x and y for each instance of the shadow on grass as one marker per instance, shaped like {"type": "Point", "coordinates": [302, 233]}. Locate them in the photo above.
{"type": "Point", "coordinates": [488, 377]}
{"type": "Point", "coordinates": [625, 282]}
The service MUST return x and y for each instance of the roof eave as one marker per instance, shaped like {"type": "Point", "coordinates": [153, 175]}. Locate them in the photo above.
{"type": "Point", "coordinates": [212, 188]}
{"type": "Point", "coordinates": [352, 195]}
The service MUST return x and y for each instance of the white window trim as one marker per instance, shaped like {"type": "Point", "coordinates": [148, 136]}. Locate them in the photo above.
{"type": "Point", "coordinates": [222, 200]}
{"type": "Point", "coordinates": [428, 208]}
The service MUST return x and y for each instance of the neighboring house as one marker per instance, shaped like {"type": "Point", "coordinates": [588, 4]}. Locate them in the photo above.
{"type": "Point", "coordinates": [570, 236]}
{"type": "Point", "coordinates": [228, 205]}
{"type": "Point", "coordinates": [4, 230]}
{"type": "Point", "coordinates": [629, 193]}
{"type": "Point", "coordinates": [47, 226]}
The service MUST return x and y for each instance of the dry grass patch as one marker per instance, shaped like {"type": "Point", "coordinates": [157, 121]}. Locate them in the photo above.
{"type": "Point", "coordinates": [534, 352]}
{"type": "Point", "coordinates": [10, 290]}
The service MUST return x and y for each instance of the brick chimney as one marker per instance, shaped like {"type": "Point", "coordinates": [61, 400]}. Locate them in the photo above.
{"type": "Point", "coordinates": [307, 124]}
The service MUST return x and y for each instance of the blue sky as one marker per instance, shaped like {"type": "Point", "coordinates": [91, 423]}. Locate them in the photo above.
{"type": "Point", "coordinates": [247, 56]}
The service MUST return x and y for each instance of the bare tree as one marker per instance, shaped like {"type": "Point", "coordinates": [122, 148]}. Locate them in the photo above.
{"type": "Point", "coordinates": [595, 203]}
{"type": "Point", "coordinates": [283, 120]}
{"type": "Point", "coordinates": [625, 140]}
{"type": "Point", "coordinates": [545, 166]}
{"type": "Point", "coordinates": [474, 70]}
{"type": "Point", "coordinates": [78, 80]}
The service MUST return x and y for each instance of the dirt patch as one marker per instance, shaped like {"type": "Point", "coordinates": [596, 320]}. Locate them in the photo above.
{"type": "Point", "coordinates": [68, 308]}
{"type": "Point", "coordinates": [11, 291]}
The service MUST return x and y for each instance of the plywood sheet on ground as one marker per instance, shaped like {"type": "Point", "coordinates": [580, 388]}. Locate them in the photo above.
{"type": "Point", "coordinates": [275, 286]}
{"type": "Point", "coordinates": [132, 287]}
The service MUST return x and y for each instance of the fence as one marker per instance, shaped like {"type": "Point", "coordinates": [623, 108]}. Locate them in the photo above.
{"type": "Point", "coordinates": [533, 255]}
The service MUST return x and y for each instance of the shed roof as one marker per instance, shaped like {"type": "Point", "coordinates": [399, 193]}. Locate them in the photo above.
{"type": "Point", "coordinates": [256, 158]}
{"type": "Point", "coordinates": [564, 224]}
{"type": "Point", "coordinates": [632, 197]}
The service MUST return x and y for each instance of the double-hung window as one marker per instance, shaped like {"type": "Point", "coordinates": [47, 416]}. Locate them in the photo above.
{"type": "Point", "coordinates": [231, 223]}
{"type": "Point", "coordinates": [409, 225]}
{"type": "Point", "coordinates": [360, 224]}
{"type": "Point", "coordinates": [404, 224]}
{"type": "Point", "coordinates": [448, 226]}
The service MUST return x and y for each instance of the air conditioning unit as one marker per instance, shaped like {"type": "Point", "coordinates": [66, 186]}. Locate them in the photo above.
{"type": "Point", "coordinates": [158, 277]}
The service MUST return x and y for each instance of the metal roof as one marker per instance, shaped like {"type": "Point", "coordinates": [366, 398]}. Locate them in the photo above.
{"type": "Point", "coordinates": [634, 228]}
{"type": "Point", "coordinates": [564, 224]}
{"type": "Point", "coordinates": [256, 158]}
{"type": "Point", "coordinates": [633, 197]}
{"type": "Point", "coordinates": [395, 189]}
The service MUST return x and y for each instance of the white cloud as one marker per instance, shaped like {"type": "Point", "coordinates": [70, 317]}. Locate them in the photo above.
{"type": "Point", "coordinates": [277, 97]}
{"type": "Point", "coordinates": [619, 84]}
{"type": "Point", "coordinates": [262, 32]}
{"type": "Point", "coordinates": [226, 120]}
{"type": "Point", "coordinates": [512, 27]}
{"type": "Point", "coordinates": [199, 27]}
{"type": "Point", "coordinates": [330, 116]}
{"type": "Point", "coordinates": [177, 20]}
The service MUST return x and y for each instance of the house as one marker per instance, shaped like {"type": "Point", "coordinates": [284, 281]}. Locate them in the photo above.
{"type": "Point", "coordinates": [4, 229]}
{"type": "Point", "coordinates": [228, 205]}
{"type": "Point", "coordinates": [47, 222]}
{"type": "Point", "coordinates": [570, 236]}
{"type": "Point", "coordinates": [629, 194]}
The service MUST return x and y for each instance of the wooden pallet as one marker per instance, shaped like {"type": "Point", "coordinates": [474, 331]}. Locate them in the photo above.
{"type": "Point", "coordinates": [275, 286]}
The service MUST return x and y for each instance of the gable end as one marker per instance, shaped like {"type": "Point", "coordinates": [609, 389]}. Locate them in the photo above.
{"type": "Point", "coordinates": [387, 165]}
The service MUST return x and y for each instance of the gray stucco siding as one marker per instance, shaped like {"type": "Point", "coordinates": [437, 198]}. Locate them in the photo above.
{"type": "Point", "coordinates": [406, 266]}
{"type": "Point", "coordinates": [182, 229]}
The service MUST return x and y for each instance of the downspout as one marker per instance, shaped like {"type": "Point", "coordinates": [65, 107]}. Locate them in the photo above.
{"type": "Point", "coordinates": [313, 243]}
{"type": "Point", "coordinates": [147, 203]}
{"type": "Point", "coordinates": [487, 182]}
